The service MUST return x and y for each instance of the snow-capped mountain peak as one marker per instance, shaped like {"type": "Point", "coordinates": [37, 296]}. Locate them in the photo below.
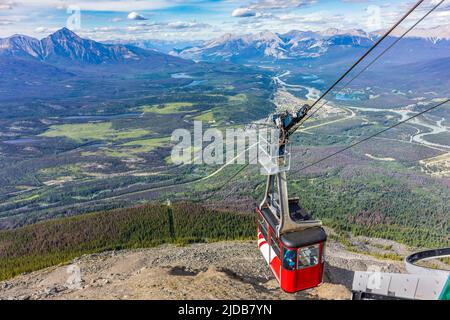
{"type": "Point", "coordinates": [271, 45]}
{"type": "Point", "coordinates": [66, 47]}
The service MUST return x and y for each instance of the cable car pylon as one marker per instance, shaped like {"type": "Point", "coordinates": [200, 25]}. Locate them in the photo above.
{"type": "Point", "coordinates": [291, 240]}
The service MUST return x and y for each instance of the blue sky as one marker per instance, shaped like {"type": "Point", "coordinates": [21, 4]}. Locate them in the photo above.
{"type": "Point", "coordinates": [199, 19]}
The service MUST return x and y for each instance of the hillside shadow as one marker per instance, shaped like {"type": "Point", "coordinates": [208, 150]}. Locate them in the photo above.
{"type": "Point", "coordinates": [336, 275]}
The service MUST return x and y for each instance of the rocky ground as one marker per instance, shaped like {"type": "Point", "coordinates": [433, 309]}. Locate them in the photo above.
{"type": "Point", "coordinates": [224, 270]}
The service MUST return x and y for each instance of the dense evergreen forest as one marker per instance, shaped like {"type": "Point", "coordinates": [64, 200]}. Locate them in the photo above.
{"type": "Point", "coordinates": [58, 241]}
{"type": "Point", "coordinates": [52, 242]}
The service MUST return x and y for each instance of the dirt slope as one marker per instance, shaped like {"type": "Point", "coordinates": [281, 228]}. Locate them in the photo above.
{"type": "Point", "coordinates": [225, 270]}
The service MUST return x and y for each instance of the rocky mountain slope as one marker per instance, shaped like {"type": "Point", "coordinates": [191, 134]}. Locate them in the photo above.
{"type": "Point", "coordinates": [329, 45]}
{"type": "Point", "coordinates": [41, 66]}
{"type": "Point", "coordinates": [223, 270]}
{"type": "Point", "coordinates": [64, 45]}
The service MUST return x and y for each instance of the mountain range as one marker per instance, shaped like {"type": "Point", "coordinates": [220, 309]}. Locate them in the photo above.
{"type": "Point", "coordinates": [65, 48]}
{"type": "Point", "coordinates": [64, 54]}
{"type": "Point", "coordinates": [294, 44]}
{"type": "Point", "coordinates": [64, 64]}
{"type": "Point", "coordinates": [298, 45]}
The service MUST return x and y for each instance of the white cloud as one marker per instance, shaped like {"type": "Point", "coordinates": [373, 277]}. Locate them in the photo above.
{"type": "Point", "coordinates": [44, 30]}
{"type": "Point", "coordinates": [6, 5]}
{"type": "Point", "coordinates": [135, 16]}
{"type": "Point", "coordinates": [280, 4]}
{"type": "Point", "coordinates": [259, 8]}
{"type": "Point", "coordinates": [255, 15]}
{"type": "Point", "coordinates": [144, 30]}
{"type": "Point", "coordinates": [94, 5]}
{"type": "Point", "coordinates": [185, 25]}
{"type": "Point", "coordinates": [243, 12]}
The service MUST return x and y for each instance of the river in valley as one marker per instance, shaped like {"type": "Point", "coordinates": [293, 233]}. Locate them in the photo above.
{"type": "Point", "coordinates": [425, 125]}
{"type": "Point", "coordinates": [434, 127]}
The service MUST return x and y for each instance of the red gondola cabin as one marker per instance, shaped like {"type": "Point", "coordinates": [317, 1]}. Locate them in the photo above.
{"type": "Point", "coordinates": [296, 258]}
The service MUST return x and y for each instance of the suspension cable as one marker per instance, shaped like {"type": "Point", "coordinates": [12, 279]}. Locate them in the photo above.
{"type": "Point", "coordinates": [367, 53]}
{"type": "Point", "coordinates": [376, 59]}
{"type": "Point", "coordinates": [225, 183]}
{"type": "Point", "coordinates": [371, 137]}
{"type": "Point", "coordinates": [340, 79]}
